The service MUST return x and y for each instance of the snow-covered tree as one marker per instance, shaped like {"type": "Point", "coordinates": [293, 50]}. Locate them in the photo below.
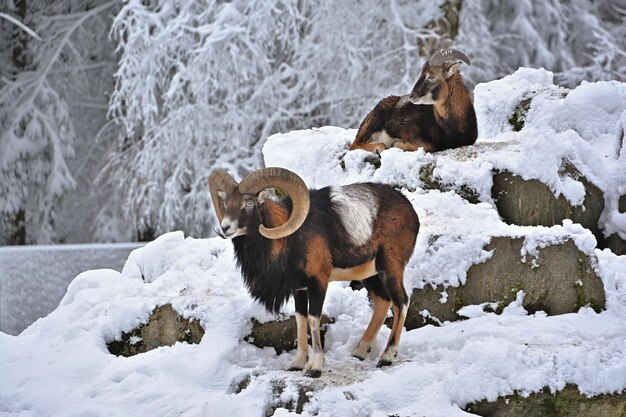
{"type": "Point", "coordinates": [37, 133]}
{"type": "Point", "coordinates": [576, 39]}
{"type": "Point", "coordinates": [202, 83]}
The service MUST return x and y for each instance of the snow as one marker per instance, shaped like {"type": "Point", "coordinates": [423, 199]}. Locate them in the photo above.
{"type": "Point", "coordinates": [497, 99]}
{"type": "Point", "coordinates": [60, 365]}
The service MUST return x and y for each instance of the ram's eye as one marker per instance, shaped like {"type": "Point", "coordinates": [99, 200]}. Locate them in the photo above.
{"type": "Point", "coordinates": [432, 77]}
{"type": "Point", "coordinates": [249, 204]}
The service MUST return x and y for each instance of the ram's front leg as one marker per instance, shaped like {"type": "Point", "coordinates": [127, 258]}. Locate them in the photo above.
{"type": "Point", "coordinates": [301, 298]}
{"type": "Point", "coordinates": [317, 293]}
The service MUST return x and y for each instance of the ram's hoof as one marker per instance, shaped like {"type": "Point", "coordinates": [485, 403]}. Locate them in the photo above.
{"type": "Point", "coordinates": [313, 373]}
{"type": "Point", "coordinates": [294, 368]}
{"type": "Point", "coordinates": [383, 362]}
{"type": "Point", "coordinates": [360, 353]}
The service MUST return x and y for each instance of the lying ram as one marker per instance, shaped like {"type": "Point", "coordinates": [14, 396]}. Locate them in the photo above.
{"type": "Point", "coordinates": [296, 246]}
{"type": "Point", "coordinates": [438, 114]}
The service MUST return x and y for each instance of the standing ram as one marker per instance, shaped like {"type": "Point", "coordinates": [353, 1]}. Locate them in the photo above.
{"type": "Point", "coordinates": [438, 113]}
{"type": "Point", "coordinates": [296, 246]}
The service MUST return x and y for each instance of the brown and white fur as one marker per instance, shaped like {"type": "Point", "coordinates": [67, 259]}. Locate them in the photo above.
{"type": "Point", "coordinates": [438, 113]}
{"type": "Point", "coordinates": [363, 232]}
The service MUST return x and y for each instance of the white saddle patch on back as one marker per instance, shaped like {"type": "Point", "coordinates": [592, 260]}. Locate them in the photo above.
{"type": "Point", "coordinates": [357, 206]}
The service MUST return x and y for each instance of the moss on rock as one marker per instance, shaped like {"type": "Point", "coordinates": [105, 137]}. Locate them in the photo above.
{"type": "Point", "coordinates": [518, 117]}
{"type": "Point", "coordinates": [431, 182]}
{"type": "Point", "coordinates": [568, 402]}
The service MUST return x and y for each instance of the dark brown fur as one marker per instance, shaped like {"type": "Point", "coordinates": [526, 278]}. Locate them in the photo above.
{"type": "Point", "coordinates": [303, 263]}
{"type": "Point", "coordinates": [448, 123]}
{"type": "Point", "coordinates": [275, 216]}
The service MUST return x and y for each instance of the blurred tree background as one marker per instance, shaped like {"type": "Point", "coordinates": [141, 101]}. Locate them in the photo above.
{"type": "Point", "coordinates": [112, 114]}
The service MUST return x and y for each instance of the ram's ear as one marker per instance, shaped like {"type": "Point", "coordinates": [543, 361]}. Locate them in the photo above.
{"type": "Point", "coordinates": [265, 195]}
{"type": "Point", "coordinates": [449, 69]}
{"type": "Point", "coordinates": [222, 195]}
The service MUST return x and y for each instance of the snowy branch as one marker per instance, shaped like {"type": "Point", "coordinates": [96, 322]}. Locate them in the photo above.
{"type": "Point", "coordinates": [21, 25]}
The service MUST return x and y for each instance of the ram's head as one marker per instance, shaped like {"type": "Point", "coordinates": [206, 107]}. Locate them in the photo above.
{"type": "Point", "coordinates": [432, 85]}
{"type": "Point", "coordinates": [238, 204]}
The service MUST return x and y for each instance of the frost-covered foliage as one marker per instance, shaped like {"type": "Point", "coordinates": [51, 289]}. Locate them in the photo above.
{"type": "Point", "coordinates": [37, 129]}
{"type": "Point", "coordinates": [576, 39]}
{"type": "Point", "coordinates": [201, 83]}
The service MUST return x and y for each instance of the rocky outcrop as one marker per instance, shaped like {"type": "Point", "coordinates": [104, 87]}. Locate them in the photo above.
{"type": "Point", "coordinates": [295, 403]}
{"type": "Point", "coordinates": [281, 335]}
{"type": "Point", "coordinates": [616, 244]}
{"type": "Point", "coordinates": [532, 203]}
{"type": "Point", "coordinates": [164, 328]}
{"type": "Point", "coordinates": [560, 280]}
{"type": "Point", "coordinates": [566, 403]}
{"type": "Point", "coordinates": [431, 182]}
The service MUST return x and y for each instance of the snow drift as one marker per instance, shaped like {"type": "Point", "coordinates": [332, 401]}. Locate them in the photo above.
{"type": "Point", "coordinates": [60, 365]}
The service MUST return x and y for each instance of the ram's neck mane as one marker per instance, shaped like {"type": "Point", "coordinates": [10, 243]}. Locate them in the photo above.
{"type": "Point", "coordinates": [263, 262]}
{"type": "Point", "coordinates": [454, 113]}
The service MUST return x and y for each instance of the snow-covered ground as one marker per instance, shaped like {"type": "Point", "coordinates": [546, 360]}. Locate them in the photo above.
{"type": "Point", "coordinates": [33, 279]}
{"type": "Point", "coordinates": [60, 365]}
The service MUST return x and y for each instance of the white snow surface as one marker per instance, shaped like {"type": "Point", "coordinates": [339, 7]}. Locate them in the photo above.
{"type": "Point", "coordinates": [60, 365]}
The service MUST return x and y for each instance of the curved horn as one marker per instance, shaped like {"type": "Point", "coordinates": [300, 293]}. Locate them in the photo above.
{"type": "Point", "coordinates": [220, 180]}
{"type": "Point", "coordinates": [444, 55]}
{"type": "Point", "coordinates": [292, 185]}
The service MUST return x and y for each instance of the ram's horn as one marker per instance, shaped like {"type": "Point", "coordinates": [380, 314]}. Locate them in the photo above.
{"type": "Point", "coordinates": [292, 185]}
{"type": "Point", "coordinates": [220, 180]}
{"type": "Point", "coordinates": [445, 55]}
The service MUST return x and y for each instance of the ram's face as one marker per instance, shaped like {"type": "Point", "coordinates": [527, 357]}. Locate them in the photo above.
{"type": "Point", "coordinates": [432, 86]}
{"type": "Point", "coordinates": [238, 206]}
{"type": "Point", "coordinates": [238, 210]}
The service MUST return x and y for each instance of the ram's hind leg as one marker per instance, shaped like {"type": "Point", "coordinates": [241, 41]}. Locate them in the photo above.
{"type": "Point", "coordinates": [301, 298]}
{"type": "Point", "coordinates": [400, 301]}
{"type": "Point", "coordinates": [381, 301]}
